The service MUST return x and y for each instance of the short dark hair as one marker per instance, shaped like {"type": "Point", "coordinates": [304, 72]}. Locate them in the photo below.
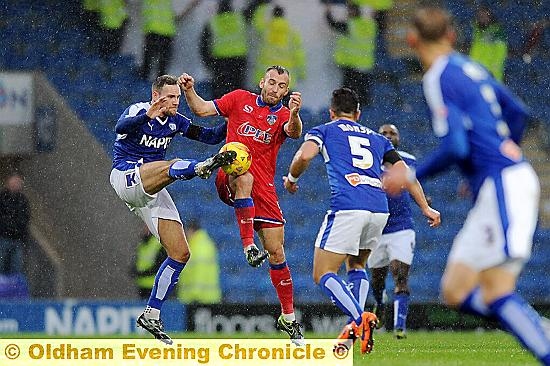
{"type": "Point", "coordinates": [344, 100]}
{"type": "Point", "coordinates": [432, 23]}
{"type": "Point", "coordinates": [280, 69]}
{"type": "Point", "coordinates": [163, 80]}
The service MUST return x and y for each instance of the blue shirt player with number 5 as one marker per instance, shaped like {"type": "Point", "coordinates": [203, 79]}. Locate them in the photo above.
{"type": "Point", "coordinates": [354, 156]}
{"type": "Point", "coordinates": [480, 124]}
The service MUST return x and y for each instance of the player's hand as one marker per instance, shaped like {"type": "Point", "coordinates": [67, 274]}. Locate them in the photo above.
{"type": "Point", "coordinates": [157, 108]}
{"type": "Point", "coordinates": [186, 82]}
{"type": "Point", "coordinates": [295, 102]}
{"type": "Point", "coordinates": [289, 186]}
{"type": "Point", "coordinates": [434, 217]}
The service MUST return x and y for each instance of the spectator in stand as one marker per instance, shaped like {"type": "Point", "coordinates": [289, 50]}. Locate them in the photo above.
{"type": "Point", "coordinates": [113, 21]}
{"type": "Point", "coordinates": [488, 45]}
{"type": "Point", "coordinates": [15, 215]}
{"type": "Point", "coordinates": [224, 49]}
{"type": "Point", "coordinates": [159, 28]}
{"type": "Point", "coordinates": [380, 8]}
{"type": "Point", "coordinates": [281, 44]}
{"type": "Point", "coordinates": [200, 283]}
{"type": "Point", "coordinates": [149, 257]}
{"type": "Point", "coordinates": [355, 51]}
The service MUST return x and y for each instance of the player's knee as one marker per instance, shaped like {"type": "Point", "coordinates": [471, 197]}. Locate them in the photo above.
{"type": "Point", "coordinates": [450, 296]}
{"type": "Point", "coordinates": [401, 282]}
{"type": "Point", "coordinates": [181, 255]}
{"type": "Point", "coordinates": [277, 255]}
{"type": "Point", "coordinates": [243, 183]}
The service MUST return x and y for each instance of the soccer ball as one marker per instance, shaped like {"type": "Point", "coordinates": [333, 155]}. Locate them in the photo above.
{"type": "Point", "coordinates": [242, 162]}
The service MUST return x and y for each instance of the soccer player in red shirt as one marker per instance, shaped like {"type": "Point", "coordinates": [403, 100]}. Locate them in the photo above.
{"type": "Point", "coordinates": [262, 123]}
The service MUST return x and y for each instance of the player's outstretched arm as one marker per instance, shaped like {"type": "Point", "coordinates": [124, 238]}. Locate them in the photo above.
{"type": "Point", "coordinates": [417, 193]}
{"type": "Point", "coordinates": [300, 162]}
{"type": "Point", "coordinates": [293, 128]}
{"type": "Point", "coordinates": [198, 106]}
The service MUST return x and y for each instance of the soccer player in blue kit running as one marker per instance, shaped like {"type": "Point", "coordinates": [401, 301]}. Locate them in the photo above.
{"type": "Point", "coordinates": [354, 156]}
{"type": "Point", "coordinates": [140, 174]}
{"type": "Point", "coordinates": [480, 124]}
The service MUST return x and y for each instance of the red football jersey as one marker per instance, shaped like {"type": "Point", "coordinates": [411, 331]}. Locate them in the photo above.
{"type": "Point", "coordinates": [258, 126]}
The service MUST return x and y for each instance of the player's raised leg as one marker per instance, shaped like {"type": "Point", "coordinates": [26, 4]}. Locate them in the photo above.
{"type": "Point", "coordinates": [240, 188]}
{"type": "Point", "coordinates": [173, 240]}
{"type": "Point", "coordinates": [272, 239]}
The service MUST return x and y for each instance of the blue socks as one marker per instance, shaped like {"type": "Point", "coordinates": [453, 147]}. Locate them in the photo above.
{"type": "Point", "coordinates": [358, 284]}
{"type": "Point", "coordinates": [165, 281]}
{"type": "Point", "coordinates": [340, 296]}
{"type": "Point", "coordinates": [400, 310]}
{"type": "Point", "coordinates": [520, 319]}
{"type": "Point", "coordinates": [183, 169]}
{"type": "Point", "coordinates": [473, 304]}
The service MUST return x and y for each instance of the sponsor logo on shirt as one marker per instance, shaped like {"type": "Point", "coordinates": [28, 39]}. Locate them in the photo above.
{"type": "Point", "coordinates": [156, 142]}
{"type": "Point", "coordinates": [246, 129]}
{"type": "Point", "coordinates": [356, 179]}
{"type": "Point", "coordinates": [247, 108]}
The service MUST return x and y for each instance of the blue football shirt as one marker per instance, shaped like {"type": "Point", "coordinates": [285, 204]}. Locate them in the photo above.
{"type": "Point", "coordinates": [475, 117]}
{"type": "Point", "coordinates": [400, 206]}
{"type": "Point", "coordinates": [353, 156]}
{"type": "Point", "coordinates": [146, 139]}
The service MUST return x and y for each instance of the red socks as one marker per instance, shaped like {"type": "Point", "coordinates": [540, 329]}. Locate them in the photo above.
{"type": "Point", "coordinates": [245, 212]}
{"type": "Point", "coordinates": [282, 281]}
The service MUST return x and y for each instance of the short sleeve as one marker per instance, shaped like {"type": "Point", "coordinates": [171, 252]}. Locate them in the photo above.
{"type": "Point", "coordinates": [226, 103]}
{"type": "Point", "coordinates": [317, 135]}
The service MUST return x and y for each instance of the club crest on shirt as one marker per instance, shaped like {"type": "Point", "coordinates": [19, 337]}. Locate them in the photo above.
{"type": "Point", "coordinates": [271, 119]}
{"type": "Point", "coordinates": [172, 126]}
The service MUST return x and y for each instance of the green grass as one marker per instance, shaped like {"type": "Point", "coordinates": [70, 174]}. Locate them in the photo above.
{"type": "Point", "coordinates": [419, 348]}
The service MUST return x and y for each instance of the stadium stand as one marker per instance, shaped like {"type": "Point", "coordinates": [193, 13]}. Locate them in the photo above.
{"type": "Point", "coordinates": [98, 90]}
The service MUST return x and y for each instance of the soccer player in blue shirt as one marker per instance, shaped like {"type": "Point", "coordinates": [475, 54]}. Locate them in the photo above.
{"type": "Point", "coordinates": [396, 247]}
{"type": "Point", "coordinates": [480, 124]}
{"type": "Point", "coordinates": [140, 174]}
{"type": "Point", "coordinates": [354, 156]}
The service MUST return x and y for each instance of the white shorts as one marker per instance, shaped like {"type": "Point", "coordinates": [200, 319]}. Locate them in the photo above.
{"type": "Point", "coordinates": [150, 207]}
{"type": "Point", "coordinates": [393, 246]}
{"type": "Point", "coordinates": [347, 231]}
{"type": "Point", "coordinates": [500, 226]}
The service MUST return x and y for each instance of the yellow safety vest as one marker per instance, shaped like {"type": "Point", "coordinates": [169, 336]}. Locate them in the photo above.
{"type": "Point", "coordinates": [91, 5]}
{"type": "Point", "coordinates": [490, 49]}
{"type": "Point", "coordinates": [159, 17]}
{"type": "Point", "coordinates": [280, 45]}
{"type": "Point", "coordinates": [113, 13]}
{"type": "Point", "coordinates": [200, 280]}
{"type": "Point", "coordinates": [375, 4]}
{"type": "Point", "coordinates": [147, 253]}
{"type": "Point", "coordinates": [357, 48]}
{"type": "Point", "coordinates": [260, 17]}
{"type": "Point", "coordinates": [228, 35]}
